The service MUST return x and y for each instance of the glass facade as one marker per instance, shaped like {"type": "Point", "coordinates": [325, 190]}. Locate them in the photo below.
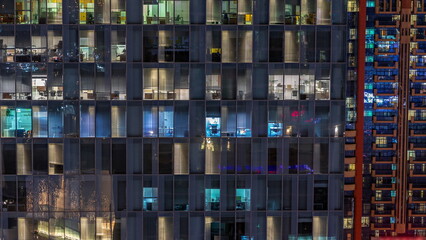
{"type": "Point", "coordinates": [172, 119]}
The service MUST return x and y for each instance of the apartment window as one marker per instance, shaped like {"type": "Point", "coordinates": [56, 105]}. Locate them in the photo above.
{"type": "Point", "coordinates": [55, 158]}
{"type": "Point", "coordinates": [118, 44]}
{"type": "Point", "coordinates": [150, 199]}
{"type": "Point", "coordinates": [212, 199]}
{"type": "Point", "coordinates": [275, 120]}
{"type": "Point", "coordinates": [15, 122]}
{"type": "Point", "coordinates": [181, 157]}
{"type": "Point", "coordinates": [102, 12]}
{"type": "Point", "coordinates": [7, 44]}
{"type": "Point", "coordinates": [243, 199]}
{"type": "Point", "coordinates": [166, 122]}
{"type": "Point", "coordinates": [166, 12]}
{"type": "Point", "coordinates": [159, 84]}
{"type": "Point", "coordinates": [229, 12]}
{"type": "Point", "coordinates": [213, 83]}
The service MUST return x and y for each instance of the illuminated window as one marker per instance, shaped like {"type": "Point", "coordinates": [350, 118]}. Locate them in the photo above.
{"type": "Point", "coordinates": [150, 199]}
{"type": "Point", "coordinates": [347, 223]}
{"type": "Point", "coordinates": [243, 199]}
{"type": "Point", "coordinates": [212, 199]}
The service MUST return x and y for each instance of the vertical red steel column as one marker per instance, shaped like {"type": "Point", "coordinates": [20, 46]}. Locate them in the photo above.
{"type": "Point", "coordinates": [359, 125]}
{"type": "Point", "coordinates": [403, 102]}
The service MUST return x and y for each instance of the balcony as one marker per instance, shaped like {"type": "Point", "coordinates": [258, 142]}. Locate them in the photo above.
{"type": "Point", "coordinates": [417, 146]}
{"type": "Point", "coordinates": [383, 173]}
{"type": "Point", "coordinates": [419, 160]}
{"type": "Point", "coordinates": [418, 106]}
{"type": "Point", "coordinates": [349, 187]}
{"type": "Point", "coordinates": [418, 92]}
{"type": "Point", "coordinates": [414, 173]}
{"type": "Point", "coordinates": [377, 119]}
{"type": "Point", "coordinates": [350, 160]}
{"type": "Point", "coordinates": [390, 107]}
{"type": "Point", "coordinates": [349, 174]}
{"type": "Point", "coordinates": [416, 200]}
{"type": "Point", "coordinates": [385, 92]}
{"type": "Point", "coordinates": [386, 24]}
{"type": "Point", "coordinates": [389, 52]}
{"type": "Point", "coordinates": [393, 78]}
{"type": "Point", "coordinates": [384, 200]}
{"type": "Point", "coordinates": [418, 79]}
{"type": "Point", "coordinates": [419, 38]}
{"type": "Point", "coordinates": [418, 65]}
{"type": "Point", "coordinates": [419, 7]}
{"type": "Point", "coordinates": [383, 160]}
{"type": "Point", "coordinates": [417, 226]}
{"type": "Point", "coordinates": [386, 65]}
{"type": "Point", "coordinates": [385, 213]}
{"type": "Point", "coordinates": [350, 147]}
{"type": "Point", "coordinates": [414, 119]}
{"type": "Point", "coordinates": [350, 133]}
{"type": "Point", "coordinates": [381, 6]}
{"type": "Point", "coordinates": [418, 52]}
{"type": "Point", "coordinates": [386, 38]}
{"type": "Point", "coordinates": [417, 186]}
{"type": "Point", "coordinates": [418, 24]}
{"type": "Point", "coordinates": [383, 186]}
{"type": "Point", "coordinates": [384, 133]}
{"type": "Point", "coordinates": [417, 133]}
{"type": "Point", "coordinates": [382, 226]}
{"type": "Point", "coordinates": [416, 213]}
{"type": "Point", "coordinates": [384, 147]}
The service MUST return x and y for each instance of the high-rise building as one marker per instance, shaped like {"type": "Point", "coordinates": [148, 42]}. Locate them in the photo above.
{"type": "Point", "coordinates": [387, 145]}
{"type": "Point", "coordinates": [162, 119]}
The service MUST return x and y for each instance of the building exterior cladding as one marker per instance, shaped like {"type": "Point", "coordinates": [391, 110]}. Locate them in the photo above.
{"type": "Point", "coordinates": [392, 149]}
{"type": "Point", "coordinates": [172, 119]}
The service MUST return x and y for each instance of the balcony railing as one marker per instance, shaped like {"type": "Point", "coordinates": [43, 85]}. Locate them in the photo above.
{"type": "Point", "coordinates": [386, 38]}
{"type": "Point", "coordinates": [393, 78]}
{"type": "Point", "coordinates": [386, 23]}
{"type": "Point", "coordinates": [384, 160]}
{"type": "Point", "coordinates": [384, 147]}
{"type": "Point", "coordinates": [384, 133]}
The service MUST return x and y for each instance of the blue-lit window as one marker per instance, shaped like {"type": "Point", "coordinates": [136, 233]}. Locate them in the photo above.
{"type": "Point", "coordinates": [165, 121]}
{"type": "Point", "coordinates": [369, 59]}
{"type": "Point", "coordinates": [212, 201]}
{"type": "Point", "coordinates": [23, 122]}
{"type": "Point", "coordinates": [39, 121]}
{"type": "Point", "coordinates": [243, 198]}
{"type": "Point", "coordinates": [16, 122]}
{"type": "Point", "coordinates": [150, 120]}
{"type": "Point", "coordinates": [275, 129]}
{"type": "Point", "coordinates": [150, 199]}
{"type": "Point", "coordinates": [393, 167]}
{"type": "Point", "coordinates": [392, 220]}
{"type": "Point", "coordinates": [393, 193]}
{"type": "Point", "coordinates": [369, 31]}
{"type": "Point", "coordinates": [244, 119]}
{"type": "Point", "coordinates": [393, 180]}
{"type": "Point", "coordinates": [371, 4]}
{"type": "Point", "coordinates": [213, 126]}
